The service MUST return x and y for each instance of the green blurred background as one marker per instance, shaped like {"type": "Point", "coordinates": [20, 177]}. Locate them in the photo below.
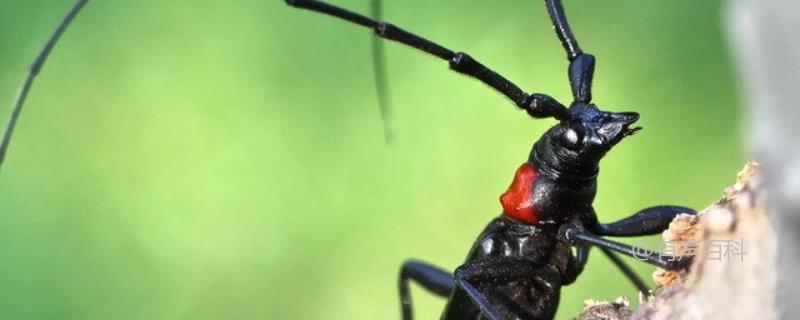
{"type": "Point", "coordinates": [225, 159]}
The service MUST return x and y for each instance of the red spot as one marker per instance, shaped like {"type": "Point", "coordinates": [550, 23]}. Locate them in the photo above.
{"type": "Point", "coordinates": [517, 202]}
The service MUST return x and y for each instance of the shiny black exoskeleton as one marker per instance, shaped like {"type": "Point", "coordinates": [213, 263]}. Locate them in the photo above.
{"type": "Point", "coordinates": [519, 268]}
{"type": "Point", "coordinates": [519, 262]}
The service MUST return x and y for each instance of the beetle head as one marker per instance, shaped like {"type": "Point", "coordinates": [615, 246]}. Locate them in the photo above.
{"type": "Point", "coordinates": [590, 130]}
{"type": "Point", "coordinates": [582, 137]}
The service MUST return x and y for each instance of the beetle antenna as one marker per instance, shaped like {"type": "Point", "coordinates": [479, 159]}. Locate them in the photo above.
{"type": "Point", "coordinates": [581, 65]}
{"type": "Point", "coordinates": [537, 105]}
{"type": "Point", "coordinates": [34, 69]}
{"type": "Point", "coordinates": [563, 31]}
{"type": "Point", "coordinates": [381, 84]}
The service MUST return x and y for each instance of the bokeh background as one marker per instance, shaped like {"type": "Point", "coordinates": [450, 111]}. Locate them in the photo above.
{"type": "Point", "coordinates": [225, 159]}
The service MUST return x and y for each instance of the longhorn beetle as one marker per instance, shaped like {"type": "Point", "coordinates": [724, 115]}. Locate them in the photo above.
{"type": "Point", "coordinates": [519, 262]}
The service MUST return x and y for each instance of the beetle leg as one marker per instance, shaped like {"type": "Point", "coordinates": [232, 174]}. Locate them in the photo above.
{"type": "Point", "coordinates": [477, 278]}
{"type": "Point", "coordinates": [478, 298]}
{"type": "Point", "coordinates": [434, 279]}
{"type": "Point", "coordinates": [582, 256]}
{"type": "Point", "coordinates": [580, 236]}
{"type": "Point", "coordinates": [629, 273]}
{"type": "Point", "coordinates": [648, 221]}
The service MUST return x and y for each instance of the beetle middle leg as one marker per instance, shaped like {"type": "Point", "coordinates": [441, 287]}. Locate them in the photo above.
{"type": "Point", "coordinates": [434, 279]}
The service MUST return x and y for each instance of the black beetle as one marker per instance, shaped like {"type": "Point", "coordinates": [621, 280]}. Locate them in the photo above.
{"type": "Point", "coordinates": [519, 262]}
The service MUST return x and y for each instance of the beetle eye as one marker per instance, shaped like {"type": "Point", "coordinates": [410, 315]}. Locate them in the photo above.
{"type": "Point", "coordinates": [572, 137]}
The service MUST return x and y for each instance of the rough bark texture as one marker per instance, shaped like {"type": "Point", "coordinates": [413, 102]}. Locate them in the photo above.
{"type": "Point", "coordinates": [732, 275]}
{"type": "Point", "coordinates": [619, 309]}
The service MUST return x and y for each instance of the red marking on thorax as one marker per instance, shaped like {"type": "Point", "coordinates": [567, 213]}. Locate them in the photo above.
{"type": "Point", "coordinates": [517, 202]}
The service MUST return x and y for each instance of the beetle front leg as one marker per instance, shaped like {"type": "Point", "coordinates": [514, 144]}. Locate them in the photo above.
{"type": "Point", "coordinates": [648, 221]}
{"type": "Point", "coordinates": [579, 236]}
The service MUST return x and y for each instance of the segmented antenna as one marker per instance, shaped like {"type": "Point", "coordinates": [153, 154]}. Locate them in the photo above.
{"type": "Point", "coordinates": [32, 72]}
{"type": "Point", "coordinates": [381, 85]}
{"type": "Point", "coordinates": [537, 105]}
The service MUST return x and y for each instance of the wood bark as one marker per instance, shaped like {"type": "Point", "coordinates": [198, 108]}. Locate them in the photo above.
{"type": "Point", "coordinates": [733, 272]}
